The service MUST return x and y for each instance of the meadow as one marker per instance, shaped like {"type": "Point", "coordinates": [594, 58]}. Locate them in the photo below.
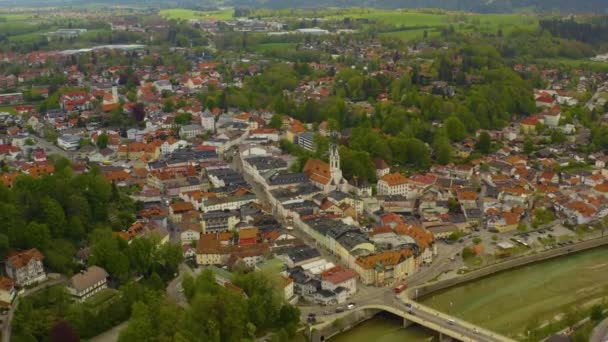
{"type": "Point", "coordinates": [186, 14]}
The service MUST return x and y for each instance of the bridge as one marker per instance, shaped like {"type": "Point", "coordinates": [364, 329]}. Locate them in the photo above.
{"type": "Point", "coordinates": [412, 313]}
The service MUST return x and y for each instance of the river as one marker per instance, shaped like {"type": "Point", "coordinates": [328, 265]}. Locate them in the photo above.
{"type": "Point", "coordinates": [508, 302]}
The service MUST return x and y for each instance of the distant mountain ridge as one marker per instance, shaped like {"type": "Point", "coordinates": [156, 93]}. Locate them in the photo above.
{"type": "Point", "coordinates": [480, 6]}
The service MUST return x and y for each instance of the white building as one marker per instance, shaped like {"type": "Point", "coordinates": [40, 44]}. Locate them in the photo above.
{"type": "Point", "coordinates": [68, 142]}
{"type": "Point", "coordinates": [87, 283]}
{"type": "Point", "coordinates": [208, 121]}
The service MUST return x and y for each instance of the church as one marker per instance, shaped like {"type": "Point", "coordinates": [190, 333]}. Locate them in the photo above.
{"type": "Point", "coordinates": [327, 177]}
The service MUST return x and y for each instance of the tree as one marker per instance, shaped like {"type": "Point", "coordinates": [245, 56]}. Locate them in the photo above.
{"type": "Point", "coordinates": [484, 143]}
{"type": "Point", "coordinates": [528, 146]}
{"type": "Point", "coordinates": [443, 150]}
{"type": "Point", "coordinates": [597, 313]}
{"type": "Point", "coordinates": [63, 332]}
{"type": "Point", "coordinates": [183, 119]}
{"type": "Point", "coordinates": [542, 216]}
{"type": "Point", "coordinates": [454, 128]}
{"type": "Point", "coordinates": [140, 327]}
{"type": "Point", "coordinates": [138, 111]}
{"type": "Point", "coordinates": [102, 140]}
{"type": "Point", "coordinates": [276, 121]}
{"type": "Point", "coordinates": [557, 137]}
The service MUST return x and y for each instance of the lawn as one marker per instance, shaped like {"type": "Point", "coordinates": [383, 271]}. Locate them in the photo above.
{"type": "Point", "coordinates": [101, 297]}
{"type": "Point", "coordinates": [586, 64]}
{"type": "Point", "coordinates": [186, 14]}
{"type": "Point", "coordinates": [8, 109]}
{"type": "Point", "coordinates": [403, 18]}
{"type": "Point", "coordinates": [410, 34]}
{"type": "Point", "coordinates": [269, 47]}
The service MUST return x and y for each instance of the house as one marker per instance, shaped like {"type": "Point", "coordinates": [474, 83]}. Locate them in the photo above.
{"type": "Point", "coordinates": [190, 131]}
{"type": "Point", "coordinates": [552, 117]}
{"type": "Point", "coordinates": [393, 184]}
{"type": "Point", "coordinates": [544, 102]}
{"type": "Point", "coordinates": [382, 168]}
{"type": "Point", "coordinates": [528, 124]}
{"type": "Point", "coordinates": [69, 142]}
{"type": "Point", "coordinates": [177, 209]}
{"type": "Point", "coordinates": [208, 121]}
{"type": "Point", "coordinates": [327, 177]}
{"type": "Point", "coordinates": [26, 267]}
{"type": "Point", "coordinates": [339, 276]}
{"type": "Point", "coordinates": [87, 283]}
{"type": "Point", "coordinates": [76, 100]}
{"type": "Point", "coordinates": [306, 140]}
{"type": "Point", "coordinates": [248, 236]}
{"type": "Point", "coordinates": [506, 222]}
{"type": "Point", "coordinates": [7, 291]}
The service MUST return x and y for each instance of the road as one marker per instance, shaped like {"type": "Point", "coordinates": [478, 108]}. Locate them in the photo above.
{"type": "Point", "coordinates": [175, 290]}
{"type": "Point", "coordinates": [50, 148]}
{"type": "Point", "coordinates": [419, 314]}
{"type": "Point", "coordinates": [53, 279]}
{"type": "Point", "coordinates": [600, 332]}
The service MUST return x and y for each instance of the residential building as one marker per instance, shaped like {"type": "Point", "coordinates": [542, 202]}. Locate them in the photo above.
{"type": "Point", "coordinates": [208, 121]}
{"type": "Point", "coordinates": [306, 140]}
{"type": "Point", "coordinates": [69, 142]}
{"type": "Point", "coordinates": [26, 267]}
{"type": "Point", "coordinates": [339, 277]}
{"type": "Point", "coordinates": [7, 291]}
{"type": "Point", "coordinates": [87, 283]}
{"type": "Point", "coordinates": [190, 131]}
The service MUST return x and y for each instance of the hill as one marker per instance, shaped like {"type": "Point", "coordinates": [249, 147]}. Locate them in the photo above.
{"type": "Point", "coordinates": [479, 6]}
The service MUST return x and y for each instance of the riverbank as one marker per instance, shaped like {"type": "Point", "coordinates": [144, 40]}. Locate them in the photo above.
{"type": "Point", "coordinates": [427, 289]}
{"type": "Point", "coordinates": [526, 297]}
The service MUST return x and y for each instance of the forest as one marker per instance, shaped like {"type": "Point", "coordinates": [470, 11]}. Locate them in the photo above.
{"type": "Point", "coordinates": [63, 212]}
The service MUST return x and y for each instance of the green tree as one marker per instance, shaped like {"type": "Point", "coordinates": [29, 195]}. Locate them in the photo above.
{"type": "Point", "coordinates": [443, 150]}
{"type": "Point", "coordinates": [276, 121]}
{"type": "Point", "coordinates": [597, 313]}
{"type": "Point", "coordinates": [528, 146]}
{"type": "Point", "coordinates": [141, 325]}
{"type": "Point", "coordinates": [454, 128]}
{"type": "Point", "coordinates": [484, 143]}
{"type": "Point", "coordinates": [183, 119]}
{"type": "Point", "coordinates": [102, 140]}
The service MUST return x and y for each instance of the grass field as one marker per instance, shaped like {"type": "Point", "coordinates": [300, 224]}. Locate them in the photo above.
{"type": "Point", "coordinates": [8, 109]}
{"type": "Point", "coordinates": [186, 14]}
{"type": "Point", "coordinates": [410, 34]}
{"type": "Point", "coordinates": [101, 297]}
{"type": "Point", "coordinates": [577, 63]}
{"type": "Point", "coordinates": [269, 47]}
{"type": "Point", "coordinates": [404, 18]}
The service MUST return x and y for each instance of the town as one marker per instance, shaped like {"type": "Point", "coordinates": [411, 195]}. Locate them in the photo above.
{"type": "Point", "coordinates": [349, 168]}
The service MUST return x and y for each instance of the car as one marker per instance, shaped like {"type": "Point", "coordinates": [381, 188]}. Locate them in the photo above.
{"type": "Point", "coordinates": [570, 242]}
{"type": "Point", "coordinates": [351, 306]}
{"type": "Point", "coordinates": [451, 321]}
{"type": "Point", "coordinates": [339, 309]}
{"type": "Point", "coordinates": [312, 314]}
{"type": "Point", "coordinates": [327, 312]}
{"type": "Point", "coordinates": [408, 305]}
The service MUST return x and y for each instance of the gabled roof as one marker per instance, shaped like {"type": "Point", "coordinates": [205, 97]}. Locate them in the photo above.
{"type": "Point", "coordinates": [21, 259]}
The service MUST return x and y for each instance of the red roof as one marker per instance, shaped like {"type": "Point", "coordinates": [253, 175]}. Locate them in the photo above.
{"type": "Point", "coordinates": [338, 275]}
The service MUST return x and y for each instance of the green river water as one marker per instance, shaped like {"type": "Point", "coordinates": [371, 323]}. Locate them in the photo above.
{"type": "Point", "coordinates": [506, 302]}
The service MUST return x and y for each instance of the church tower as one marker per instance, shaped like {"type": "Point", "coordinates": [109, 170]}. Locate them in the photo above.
{"type": "Point", "coordinates": [334, 164]}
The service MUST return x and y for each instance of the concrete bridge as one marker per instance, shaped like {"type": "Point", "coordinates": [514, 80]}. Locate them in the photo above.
{"type": "Point", "coordinates": [412, 313]}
